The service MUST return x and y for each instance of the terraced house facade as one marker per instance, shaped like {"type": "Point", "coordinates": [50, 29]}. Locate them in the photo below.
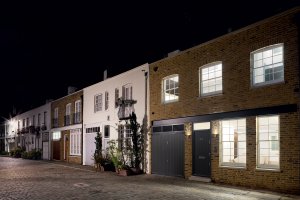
{"type": "Point", "coordinates": [227, 110]}
{"type": "Point", "coordinates": [66, 127]}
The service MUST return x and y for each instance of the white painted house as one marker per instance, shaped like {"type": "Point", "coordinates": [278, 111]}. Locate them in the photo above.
{"type": "Point", "coordinates": [102, 107]}
{"type": "Point", "coordinates": [30, 130]}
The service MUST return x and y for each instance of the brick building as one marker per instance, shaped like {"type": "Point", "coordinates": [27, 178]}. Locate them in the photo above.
{"type": "Point", "coordinates": [66, 123]}
{"type": "Point", "coordinates": [227, 110]}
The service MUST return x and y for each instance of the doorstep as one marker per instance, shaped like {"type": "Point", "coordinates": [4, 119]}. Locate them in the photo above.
{"type": "Point", "coordinates": [200, 179]}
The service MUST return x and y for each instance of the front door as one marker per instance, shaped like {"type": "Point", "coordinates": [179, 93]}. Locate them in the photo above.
{"type": "Point", "coordinates": [56, 150]}
{"type": "Point", "coordinates": [201, 153]}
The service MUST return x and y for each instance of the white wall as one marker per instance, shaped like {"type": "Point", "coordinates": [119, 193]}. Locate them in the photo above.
{"type": "Point", "coordinates": [13, 125]}
{"type": "Point", "coordinates": [135, 77]}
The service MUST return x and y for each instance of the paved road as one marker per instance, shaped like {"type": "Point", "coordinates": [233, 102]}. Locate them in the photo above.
{"type": "Point", "coordinates": [25, 179]}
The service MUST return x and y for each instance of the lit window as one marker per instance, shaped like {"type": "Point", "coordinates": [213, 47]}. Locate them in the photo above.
{"type": "Point", "coordinates": [268, 142]}
{"type": "Point", "coordinates": [75, 142]}
{"type": "Point", "coordinates": [170, 90]}
{"type": "Point", "coordinates": [56, 135]}
{"type": "Point", "coordinates": [211, 79]}
{"type": "Point", "coordinates": [98, 102]}
{"type": "Point", "coordinates": [267, 65]}
{"type": "Point", "coordinates": [116, 97]}
{"type": "Point", "coordinates": [233, 143]}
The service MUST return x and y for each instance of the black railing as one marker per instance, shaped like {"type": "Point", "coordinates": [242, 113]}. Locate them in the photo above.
{"type": "Point", "coordinates": [55, 122]}
{"type": "Point", "coordinates": [67, 120]}
{"type": "Point", "coordinates": [77, 118]}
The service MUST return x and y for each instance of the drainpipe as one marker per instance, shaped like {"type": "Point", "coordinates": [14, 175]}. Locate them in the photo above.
{"type": "Point", "coordinates": [81, 98]}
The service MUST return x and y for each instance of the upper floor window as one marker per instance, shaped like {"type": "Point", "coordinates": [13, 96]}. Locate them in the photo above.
{"type": "Point", "coordinates": [127, 92]}
{"type": "Point", "coordinates": [116, 97]}
{"type": "Point", "coordinates": [211, 79]}
{"type": "Point", "coordinates": [170, 89]}
{"type": "Point", "coordinates": [267, 65]}
{"type": "Point", "coordinates": [268, 142]}
{"type": "Point", "coordinates": [56, 113]}
{"type": "Point", "coordinates": [98, 103]}
{"type": "Point", "coordinates": [68, 109]}
{"type": "Point", "coordinates": [77, 114]}
{"type": "Point", "coordinates": [106, 100]}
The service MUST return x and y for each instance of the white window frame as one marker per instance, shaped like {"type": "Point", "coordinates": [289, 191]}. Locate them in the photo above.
{"type": "Point", "coordinates": [127, 92]}
{"type": "Point", "coordinates": [77, 110]}
{"type": "Point", "coordinates": [164, 89]}
{"type": "Point", "coordinates": [68, 109]}
{"type": "Point", "coordinates": [241, 130]}
{"type": "Point", "coordinates": [75, 142]}
{"type": "Point", "coordinates": [98, 102]}
{"type": "Point", "coordinates": [267, 166]}
{"type": "Point", "coordinates": [264, 66]}
{"type": "Point", "coordinates": [205, 77]}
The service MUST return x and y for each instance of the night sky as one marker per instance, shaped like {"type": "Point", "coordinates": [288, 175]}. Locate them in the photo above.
{"type": "Point", "coordinates": [44, 48]}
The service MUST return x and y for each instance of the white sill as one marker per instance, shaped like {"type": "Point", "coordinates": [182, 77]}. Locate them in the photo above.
{"type": "Point", "coordinates": [268, 170]}
{"type": "Point", "coordinates": [233, 167]}
{"type": "Point", "coordinates": [215, 94]}
{"type": "Point", "coordinates": [265, 84]}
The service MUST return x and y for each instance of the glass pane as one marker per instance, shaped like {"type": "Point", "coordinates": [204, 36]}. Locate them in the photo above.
{"type": "Point", "coordinates": [267, 61]}
{"type": "Point", "coordinates": [277, 51]}
{"type": "Point", "coordinates": [277, 59]}
{"type": "Point", "coordinates": [257, 56]}
{"type": "Point", "coordinates": [258, 63]}
{"type": "Point", "coordinates": [204, 77]}
{"type": "Point", "coordinates": [258, 79]}
{"type": "Point", "coordinates": [258, 71]}
{"type": "Point", "coordinates": [205, 70]}
{"type": "Point", "coordinates": [267, 53]}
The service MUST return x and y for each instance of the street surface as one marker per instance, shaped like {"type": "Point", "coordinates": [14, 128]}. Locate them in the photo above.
{"type": "Point", "coordinates": [27, 179]}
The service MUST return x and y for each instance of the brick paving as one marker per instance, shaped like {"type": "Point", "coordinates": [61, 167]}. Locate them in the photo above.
{"type": "Point", "coordinates": [26, 179]}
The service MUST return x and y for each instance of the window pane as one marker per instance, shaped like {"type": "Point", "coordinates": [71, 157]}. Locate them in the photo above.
{"type": "Point", "coordinates": [268, 139]}
{"type": "Point", "coordinates": [211, 80]}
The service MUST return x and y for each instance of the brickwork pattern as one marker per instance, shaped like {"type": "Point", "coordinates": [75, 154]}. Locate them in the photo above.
{"type": "Point", "coordinates": [234, 51]}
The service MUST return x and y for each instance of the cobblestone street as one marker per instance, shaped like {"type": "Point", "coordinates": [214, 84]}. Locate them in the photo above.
{"type": "Point", "coordinates": [26, 179]}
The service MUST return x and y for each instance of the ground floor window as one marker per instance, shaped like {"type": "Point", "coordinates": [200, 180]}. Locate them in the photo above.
{"type": "Point", "coordinates": [125, 135]}
{"type": "Point", "coordinates": [56, 135]}
{"type": "Point", "coordinates": [268, 150]}
{"type": "Point", "coordinates": [233, 142]}
{"type": "Point", "coordinates": [75, 142]}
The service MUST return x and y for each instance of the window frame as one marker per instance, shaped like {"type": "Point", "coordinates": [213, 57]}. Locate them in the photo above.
{"type": "Point", "coordinates": [163, 99]}
{"type": "Point", "coordinates": [231, 164]}
{"type": "Point", "coordinates": [266, 48]}
{"type": "Point", "coordinates": [98, 106]}
{"type": "Point", "coordinates": [266, 166]}
{"type": "Point", "coordinates": [201, 94]}
{"type": "Point", "coordinates": [106, 100]}
{"type": "Point", "coordinates": [75, 142]}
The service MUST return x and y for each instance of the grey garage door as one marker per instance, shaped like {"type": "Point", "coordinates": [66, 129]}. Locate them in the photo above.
{"type": "Point", "coordinates": [168, 150]}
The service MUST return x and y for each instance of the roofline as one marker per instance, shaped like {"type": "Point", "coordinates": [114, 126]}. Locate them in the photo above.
{"type": "Point", "coordinates": [287, 12]}
{"type": "Point", "coordinates": [67, 95]}
{"type": "Point", "coordinates": [119, 75]}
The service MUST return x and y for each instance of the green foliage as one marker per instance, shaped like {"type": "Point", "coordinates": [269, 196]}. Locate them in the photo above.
{"type": "Point", "coordinates": [17, 152]}
{"type": "Point", "coordinates": [34, 154]}
{"type": "Point", "coordinates": [4, 153]}
{"type": "Point", "coordinates": [115, 155]}
{"type": "Point", "coordinates": [137, 141]}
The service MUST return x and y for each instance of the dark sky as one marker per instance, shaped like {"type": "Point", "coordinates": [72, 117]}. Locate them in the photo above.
{"type": "Point", "coordinates": [44, 48]}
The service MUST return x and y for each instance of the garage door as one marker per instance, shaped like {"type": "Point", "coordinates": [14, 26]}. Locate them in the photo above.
{"type": "Point", "coordinates": [168, 150]}
{"type": "Point", "coordinates": [45, 150]}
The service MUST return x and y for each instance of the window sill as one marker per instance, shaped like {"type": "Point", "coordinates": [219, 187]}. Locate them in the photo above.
{"type": "Point", "coordinates": [233, 167]}
{"type": "Point", "coordinates": [210, 95]}
{"type": "Point", "coordinates": [268, 170]}
{"type": "Point", "coordinates": [267, 84]}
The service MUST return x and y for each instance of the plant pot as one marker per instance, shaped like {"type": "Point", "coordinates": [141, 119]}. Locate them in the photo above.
{"type": "Point", "coordinates": [124, 172]}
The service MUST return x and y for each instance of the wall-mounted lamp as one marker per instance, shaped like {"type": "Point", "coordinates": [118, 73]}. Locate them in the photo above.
{"type": "Point", "coordinates": [188, 129]}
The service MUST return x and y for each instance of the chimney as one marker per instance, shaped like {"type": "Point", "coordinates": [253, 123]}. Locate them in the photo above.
{"type": "Point", "coordinates": [105, 75]}
{"type": "Point", "coordinates": [71, 90]}
{"type": "Point", "coordinates": [48, 100]}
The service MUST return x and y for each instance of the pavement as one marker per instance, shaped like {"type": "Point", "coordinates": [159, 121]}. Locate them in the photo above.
{"type": "Point", "coordinates": [29, 179]}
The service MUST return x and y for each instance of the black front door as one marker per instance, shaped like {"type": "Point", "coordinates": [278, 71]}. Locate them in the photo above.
{"type": "Point", "coordinates": [201, 153]}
